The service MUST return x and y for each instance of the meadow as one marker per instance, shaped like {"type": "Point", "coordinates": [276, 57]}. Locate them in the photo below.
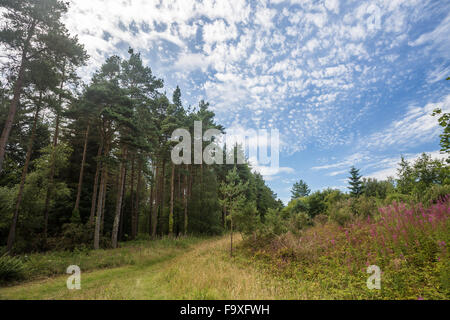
{"type": "Point", "coordinates": [408, 242]}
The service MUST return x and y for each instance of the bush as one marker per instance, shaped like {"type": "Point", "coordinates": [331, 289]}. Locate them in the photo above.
{"type": "Point", "coordinates": [321, 219]}
{"type": "Point", "coordinates": [435, 194]}
{"type": "Point", "coordinates": [74, 236]}
{"type": "Point", "coordinates": [398, 197]}
{"type": "Point", "coordinates": [342, 216]}
{"type": "Point", "coordinates": [365, 206]}
{"type": "Point", "coordinates": [247, 219]}
{"type": "Point", "coordinates": [299, 222]}
{"type": "Point", "coordinates": [341, 212]}
{"type": "Point", "coordinates": [274, 225]}
{"type": "Point", "coordinates": [11, 269]}
{"type": "Point", "coordinates": [408, 242]}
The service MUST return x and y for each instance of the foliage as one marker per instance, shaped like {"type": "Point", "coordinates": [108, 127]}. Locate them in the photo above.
{"type": "Point", "coordinates": [356, 185]}
{"type": "Point", "coordinates": [415, 179]}
{"type": "Point", "coordinates": [409, 244]}
{"type": "Point", "coordinates": [11, 269]}
{"type": "Point", "coordinates": [247, 219]}
{"type": "Point", "coordinates": [378, 189]}
{"type": "Point", "coordinates": [444, 122]}
{"type": "Point", "coordinates": [300, 190]}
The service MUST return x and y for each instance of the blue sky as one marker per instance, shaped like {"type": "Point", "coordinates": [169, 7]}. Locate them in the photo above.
{"type": "Point", "coordinates": [346, 82]}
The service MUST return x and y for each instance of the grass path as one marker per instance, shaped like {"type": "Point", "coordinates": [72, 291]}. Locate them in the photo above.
{"type": "Point", "coordinates": [204, 271]}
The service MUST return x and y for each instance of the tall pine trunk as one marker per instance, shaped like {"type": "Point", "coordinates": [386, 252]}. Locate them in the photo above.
{"type": "Point", "coordinates": [133, 221]}
{"type": "Point", "coordinates": [83, 163]}
{"type": "Point", "coordinates": [52, 159]}
{"type": "Point", "coordinates": [95, 190]}
{"type": "Point", "coordinates": [185, 195]}
{"type": "Point", "coordinates": [163, 187]}
{"type": "Point", "coordinates": [231, 234]}
{"type": "Point", "coordinates": [104, 203]}
{"type": "Point", "coordinates": [152, 187]}
{"type": "Point", "coordinates": [121, 185]}
{"type": "Point", "coordinates": [156, 205]}
{"type": "Point", "coordinates": [12, 231]}
{"type": "Point", "coordinates": [138, 191]}
{"type": "Point", "coordinates": [172, 192]}
{"type": "Point", "coordinates": [123, 203]}
{"type": "Point", "coordinates": [16, 97]}
{"type": "Point", "coordinates": [100, 203]}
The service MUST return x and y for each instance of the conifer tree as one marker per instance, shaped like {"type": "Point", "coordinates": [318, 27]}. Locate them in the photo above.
{"type": "Point", "coordinates": [33, 28]}
{"type": "Point", "coordinates": [355, 182]}
{"type": "Point", "coordinates": [233, 191]}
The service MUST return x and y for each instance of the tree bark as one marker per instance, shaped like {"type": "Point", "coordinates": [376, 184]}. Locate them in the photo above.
{"type": "Point", "coordinates": [172, 193]}
{"type": "Point", "coordinates": [152, 187]}
{"type": "Point", "coordinates": [231, 234]}
{"type": "Point", "coordinates": [123, 203]}
{"type": "Point", "coordinates": [12, 231]}
{"type": "Point", "coordinates": [95, 191]}
{"type": "Point", "coordinates": [185, 203]}
{"type": "Point", "coordinates": [163, 187]}
{"type": "Point", "coordinates": [138, 191]}
{"type": "Point", "coordinates": [100, 202]}
{"type": "Point", "coordinates": [133, 221]}
{"type": "Point", "coordinates": [115, 230]}
{"type": "Point", "coordinates": [157, 199]}
{"type": "Point", "coordinates": [52, 169]}
{"type": "Point", "coordinates": [83, 162]}
{"type": "Point", "coordinates": [103, 203]}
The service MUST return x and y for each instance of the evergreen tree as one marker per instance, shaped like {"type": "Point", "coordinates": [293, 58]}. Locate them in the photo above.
{"type": "Point", "coordinates": [355, 182]}
{"type": "Point", "coordinates": [233, 191]}
{"type": "Point", "coordinates": [34, 28]}
{"type": "Point", "coordinates": [300, 190]}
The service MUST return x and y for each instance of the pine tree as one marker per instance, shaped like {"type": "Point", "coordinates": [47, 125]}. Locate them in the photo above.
{"type": "Point", "coordinates": [34, 28]}
{"type": "Point", "coordinates": [42, 77]}
{"type": "Point", "coordinates": [233, 192]}
{"type": "Point", "coordinates": [355, 182]}
{"type": "Point", "coordinates": [300, 190]}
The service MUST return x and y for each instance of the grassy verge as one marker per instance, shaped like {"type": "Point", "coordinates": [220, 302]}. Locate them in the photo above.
{"type": "Point", "coordinates": [204, 271]}
{"type": "Point", "coordinates": [51, 264]}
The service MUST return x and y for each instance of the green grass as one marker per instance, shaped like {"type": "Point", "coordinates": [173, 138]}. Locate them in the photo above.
{"type": "Point", "coordinates": [51, 264]}
{"type": "Point", "coordinates": [190, 269]}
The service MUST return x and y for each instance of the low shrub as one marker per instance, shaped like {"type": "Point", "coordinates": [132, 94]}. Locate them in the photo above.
{"type": "Point", "coordinates": [435, 194]}
{"type": "Point", "coordinates": [398, 197]}
{"type": "Point", "coordinates": [409, 242]}
{"type": "Point", "coordinates": [321, 219]}
{"type": "Point", "coordinates": [364, 206]}
{"type": "Point", "coordinates": [341, 212]}
{"type": "Point", "coordinates": [299, 222]}
{"type": "Point", "coordinates": [11, 268]}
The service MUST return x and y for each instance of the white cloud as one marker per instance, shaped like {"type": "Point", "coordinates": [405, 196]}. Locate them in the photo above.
{"type": "Point", "coordinates": [391, 169]}
{"type": "Point", "coordinates": [271, 171]}
{"type": "Point", "coordinates": [438, 38]}
{"type": "Point", "coordinates": [439, 74]}
{"type": "Point", "coordinates": [332, 5]}
{"type": "Point", "coordinates": [416, 126]}
{"type": "Point", "coordinates": [218, 31]}
{"type": "Point", "coordinates": [314, 58]}
{"type": "Point", "coordinates": [351, 160]}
